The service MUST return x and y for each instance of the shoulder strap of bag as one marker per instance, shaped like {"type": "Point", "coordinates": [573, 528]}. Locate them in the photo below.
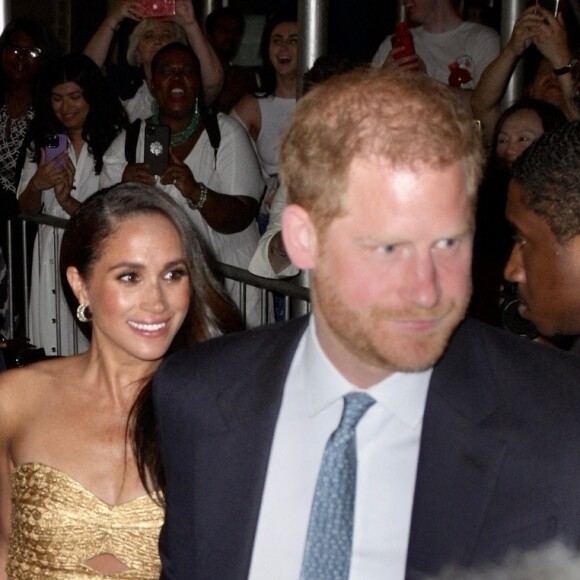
{"type": "Point", "coordinates": [131, 138]}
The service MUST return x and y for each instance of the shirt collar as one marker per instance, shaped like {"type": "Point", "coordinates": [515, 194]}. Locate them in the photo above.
{"type": "Point", "coordinates": [403, 394]}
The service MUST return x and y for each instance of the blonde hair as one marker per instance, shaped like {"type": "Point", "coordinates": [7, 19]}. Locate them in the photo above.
{"type": "Point", "coordinates": [140, 30]}
{"type": "Point", "coordinates": [407, 119]}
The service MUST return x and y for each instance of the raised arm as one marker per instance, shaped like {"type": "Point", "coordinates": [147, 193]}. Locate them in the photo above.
{"type": "Point", "coordinates": [552, 41]}
{"type": "Point", "coordinates": [212, 74]}
{"type": "Point", "coordinates": [487, 95]}
{"type": "Point", "coordinates": [100, 43]}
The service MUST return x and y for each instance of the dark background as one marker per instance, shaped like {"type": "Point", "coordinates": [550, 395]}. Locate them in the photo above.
{"type": "Point", "coordinates": [356, 27]}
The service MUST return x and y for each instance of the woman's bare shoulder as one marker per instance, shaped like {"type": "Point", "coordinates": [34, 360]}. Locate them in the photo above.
{"type": "Point", "coordinates": [247, 110]}
{"type": "Point", "coordinates": [21, 386]}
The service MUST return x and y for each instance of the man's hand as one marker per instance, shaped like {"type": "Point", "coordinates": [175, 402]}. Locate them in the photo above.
{"type": "Point", "coordinates": [410, 63]}
{"type": "Point", "coordinates": [138, 173]}
{"type": "Point", "coordinates": [551, 39]}
{"type": "Point", "coordinates": [184, 13]}
{"type": "Point", "coordinates": [525, 28]}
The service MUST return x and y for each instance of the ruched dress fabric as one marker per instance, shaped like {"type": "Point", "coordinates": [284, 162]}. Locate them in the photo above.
{"type": "Point", "coordinates": [57, 526]}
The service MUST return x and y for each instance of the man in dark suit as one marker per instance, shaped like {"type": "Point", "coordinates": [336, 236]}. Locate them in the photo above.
{"type": "Point", "coordinates": [384, 436]}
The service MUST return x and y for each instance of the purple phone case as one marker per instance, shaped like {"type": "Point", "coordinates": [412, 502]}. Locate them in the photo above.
{"type": "Point", "coordinates": [51, 153]}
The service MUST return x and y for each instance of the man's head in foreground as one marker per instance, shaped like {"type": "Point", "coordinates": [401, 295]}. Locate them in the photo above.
{"type": "Point", "coordinates": [544, 208]}
{"type": "Point", "coordinates": [381, 170]}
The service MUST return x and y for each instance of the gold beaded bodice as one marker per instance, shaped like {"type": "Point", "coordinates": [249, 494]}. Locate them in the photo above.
{"type": "Point", "coordinates": [57, 526]}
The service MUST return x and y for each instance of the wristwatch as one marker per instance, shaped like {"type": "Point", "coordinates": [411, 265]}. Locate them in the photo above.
{"type": "Point", "coordinates": [565, 69]}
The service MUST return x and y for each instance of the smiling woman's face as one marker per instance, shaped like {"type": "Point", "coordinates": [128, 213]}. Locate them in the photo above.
{"type": "Point", "coordinates": [518, 132]}
{"type": "Point", "coordinates": [69, 105]}
{"type": "Point", "coordinates": [175, 83]}
{"type": "Point", "coordinates": [138, 290]}
{"type": "Point", "coordinates": [283, 48]}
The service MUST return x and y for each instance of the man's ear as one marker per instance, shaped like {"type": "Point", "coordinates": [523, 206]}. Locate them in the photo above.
{"type": "Point", "coordinates": [299, 235]}
{"type": "Point", "coordinates": [77, 284]}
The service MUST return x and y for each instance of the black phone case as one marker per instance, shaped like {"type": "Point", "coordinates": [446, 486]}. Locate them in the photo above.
{"type": "Point", "coordinates": [157, 143]}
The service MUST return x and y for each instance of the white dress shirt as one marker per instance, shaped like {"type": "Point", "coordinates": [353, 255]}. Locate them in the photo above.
{"type": "Point", "coordinates": [388, 438]}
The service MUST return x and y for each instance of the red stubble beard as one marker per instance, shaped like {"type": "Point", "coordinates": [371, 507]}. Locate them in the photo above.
{"type": "Point", "coordinates": [377, 336]}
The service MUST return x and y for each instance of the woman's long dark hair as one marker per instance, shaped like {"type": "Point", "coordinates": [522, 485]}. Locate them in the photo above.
{"type": "Point", "coordinates": [210, 313]}
{"type": "Point", "coordinates": [106, 117]}
{"type": "Point", "coordinates": [288, 13]}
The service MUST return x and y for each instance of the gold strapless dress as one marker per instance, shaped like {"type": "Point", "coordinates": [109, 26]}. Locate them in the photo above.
{"type": "Point", "coordinates": [57, 525]}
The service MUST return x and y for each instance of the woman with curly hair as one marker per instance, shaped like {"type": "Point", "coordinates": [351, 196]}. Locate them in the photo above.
{"type": "Point", "coordinates": [77, 105]}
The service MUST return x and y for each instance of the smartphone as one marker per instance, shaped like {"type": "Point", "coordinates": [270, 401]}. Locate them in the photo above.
{"type": "Point", "coordinates": [157, 143]}
{"type": "Point", "coordinates": [54, 145]}
{"type": "Point", "coordinates": [549, 5]}
{"type": "Point", "coordinates": [158, 8]}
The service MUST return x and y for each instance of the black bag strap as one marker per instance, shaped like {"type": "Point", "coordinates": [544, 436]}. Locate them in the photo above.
{"type": "Point", "coordinates": [131, 138]}
{"type": "Point", "coordinates": [212, 127]}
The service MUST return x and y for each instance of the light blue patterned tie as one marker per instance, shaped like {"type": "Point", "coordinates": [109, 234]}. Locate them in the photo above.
{"type": "Point", "coordinates": [329, 539]}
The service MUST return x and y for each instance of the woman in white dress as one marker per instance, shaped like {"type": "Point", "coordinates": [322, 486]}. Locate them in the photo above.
{"type": "Point", "coordinates": [266, 113]}
{"type": "Point", "coordinates": [219, 189]}
{"type": "Point", "coordinates": [76, 103]}
{"type": "Point", "coordinates": [147, 38]}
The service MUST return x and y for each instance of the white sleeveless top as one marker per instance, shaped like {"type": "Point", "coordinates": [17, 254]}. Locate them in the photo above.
{"type": "Point", "coordinates": [275, 112]}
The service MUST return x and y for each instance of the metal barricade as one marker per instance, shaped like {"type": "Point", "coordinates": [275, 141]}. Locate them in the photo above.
{"type": "Point", "coordinates": [296, 297]}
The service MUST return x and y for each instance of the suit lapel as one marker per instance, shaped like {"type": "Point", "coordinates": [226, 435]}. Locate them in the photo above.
{"type": "Point", "coordinates": [460, 458]}
{"type": "Point", "coordinates": [233, 463]}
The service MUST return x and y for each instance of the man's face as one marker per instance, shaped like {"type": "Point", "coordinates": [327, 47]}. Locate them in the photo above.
{"type": "Point", "coordinates": [547, 273]}
{"type": "Point", "coordinates": [226, 37]}
{"type": "Point", "coordinates": [391, 277]}
{"type": "Point", "coordinates": [422, 11]}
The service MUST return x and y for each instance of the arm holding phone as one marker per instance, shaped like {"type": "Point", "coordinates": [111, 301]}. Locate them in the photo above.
{"type": "Point", "coordinates": [551, 40]}
{"type": "Point", "coordinates": [212, 74]}
{"type": "Point", "coordinates": [487, 95]}
{"type": "Point", "coordinates": [535, 25]}
{"type": "Point", "coordinates": [98, 46]}
{"type": "Point", "coordinates": [57, 174]}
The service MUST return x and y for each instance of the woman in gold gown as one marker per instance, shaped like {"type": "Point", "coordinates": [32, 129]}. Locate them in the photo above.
{"type": "Point", "coordinates": [79, 469]}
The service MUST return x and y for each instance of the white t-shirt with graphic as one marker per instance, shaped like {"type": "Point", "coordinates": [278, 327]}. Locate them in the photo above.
{"type": "Point", "coordinates": [473, 46]}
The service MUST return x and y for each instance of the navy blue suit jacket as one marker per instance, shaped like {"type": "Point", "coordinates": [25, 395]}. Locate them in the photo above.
{"type": "Point", "coordinates": [499, 462]}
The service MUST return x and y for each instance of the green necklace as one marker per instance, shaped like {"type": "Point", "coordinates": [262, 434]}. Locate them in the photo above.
{"type": "Point", "coordinates": [182, 136]}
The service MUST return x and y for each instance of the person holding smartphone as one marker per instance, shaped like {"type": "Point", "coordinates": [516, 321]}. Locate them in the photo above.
{"type": "Point", "coordinates": [79, 116]}
{"type": "Point", "coordinates": [147, 38]}
{"type": "Point", "coordinates": [218, 185]}
{"type": "Point", "coordinates": [552, 82]}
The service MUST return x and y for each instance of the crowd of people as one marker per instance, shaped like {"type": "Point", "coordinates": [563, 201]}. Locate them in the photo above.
{"type": "Point", "coordinates": [393, 432]}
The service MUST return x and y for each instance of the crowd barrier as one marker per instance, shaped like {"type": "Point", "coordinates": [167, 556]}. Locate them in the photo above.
{"type": "Point", "coordinates": [296, 297]}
